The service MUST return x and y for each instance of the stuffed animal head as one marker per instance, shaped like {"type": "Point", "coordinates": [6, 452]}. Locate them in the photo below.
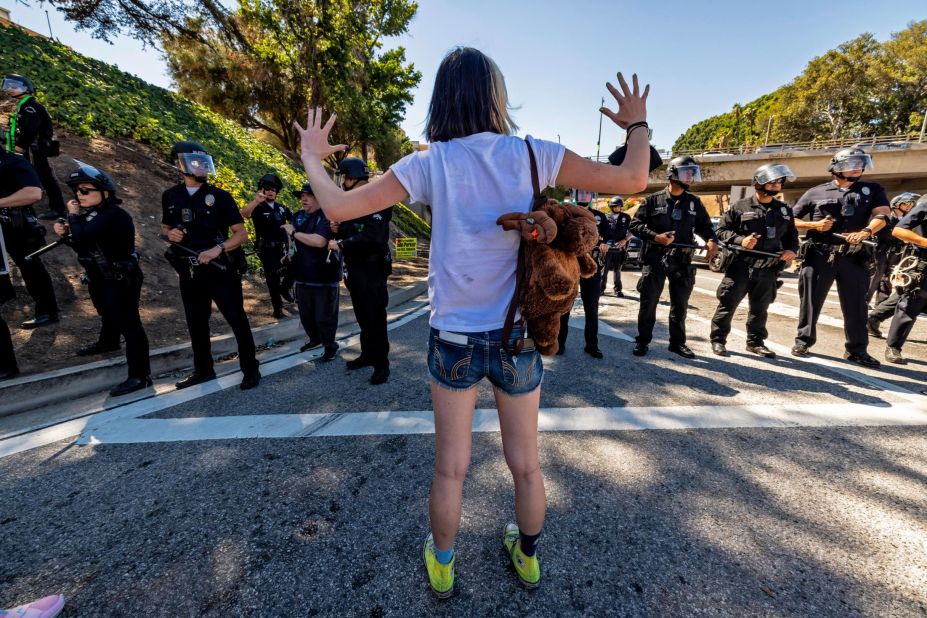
{"type": "Point", "coordinates": [577, 233]}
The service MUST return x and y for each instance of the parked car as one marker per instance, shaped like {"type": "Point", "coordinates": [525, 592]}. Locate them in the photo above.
{"type": "Point", "coordinates": [634, 253]}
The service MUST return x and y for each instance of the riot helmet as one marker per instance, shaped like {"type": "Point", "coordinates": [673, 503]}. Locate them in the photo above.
{"type": "Point", "coordinates": [354, 168]}
{"type": "Point", "coordinates": [17, 85]}
{"type": "Point", "coordinates": [616, 202]}
{"type": "Point", "coordinates": [270, 181]}
{"type": "Point", "coordinates": [850, 160]}
{"type": "Point", "coordinates": [770, 173]}
{"type": "Point", "coordinates": [193, 160]}
{"type": "Point", "coordinates": [684, 171]}
{"type": "Point", "coordinates": [305, 190]}
{"type": "Point", "coordinates": [87, 174]}
{"type": "Point", "coordinates": [922, 200]}
{"type": "Point", "coordinates": [899, 201]}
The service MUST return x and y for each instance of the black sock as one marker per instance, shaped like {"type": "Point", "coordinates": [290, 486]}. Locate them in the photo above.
{"type": "Point", "coordinates": [529, 543]}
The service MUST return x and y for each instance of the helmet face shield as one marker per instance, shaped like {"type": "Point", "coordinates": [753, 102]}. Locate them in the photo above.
{"type": "Point", "coordinates": [853, 163]}
{"type": "Point", "coordinates": [774, 172]}
{"type": "Point", "coordinates": [687, 174]}
{"type": "Point", "coordinates": [14, 86]}
{"type": "Point", "coordinates": [196, 164]}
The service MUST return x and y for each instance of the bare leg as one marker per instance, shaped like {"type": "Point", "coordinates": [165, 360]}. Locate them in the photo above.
{"type": "Point", "coordinates": [453, 426]}
{"type": "Point", "coordinates": [518, 418]}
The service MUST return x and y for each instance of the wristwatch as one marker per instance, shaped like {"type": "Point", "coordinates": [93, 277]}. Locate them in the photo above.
{"type": "Point", "coordinates": [867, 230]}
{"type": "Point", "coordinates": [221, 246]}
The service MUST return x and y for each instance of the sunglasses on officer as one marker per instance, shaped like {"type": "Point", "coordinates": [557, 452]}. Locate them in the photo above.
{"type": "Point", "coordinates": [84, 191]}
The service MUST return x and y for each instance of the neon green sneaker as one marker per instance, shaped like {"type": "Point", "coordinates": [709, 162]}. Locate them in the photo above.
{"type": "Point", "coordinates": [440, 576]}
{"type": "Point", "coordinates": [527, 568]}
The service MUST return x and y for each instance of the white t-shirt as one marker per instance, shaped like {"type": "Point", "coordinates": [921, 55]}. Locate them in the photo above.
{"type": "Point", "coordinates": [469, 182]}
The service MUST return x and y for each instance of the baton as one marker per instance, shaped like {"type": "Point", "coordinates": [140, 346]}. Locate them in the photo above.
{"type": "Point", "coordinates": [868, 243]}
{"type": "Point", "coordinates": [753, 251]}
{"type": "Point", "coordinates": [54, 245]}
{"type": "Point", "coordinates": [191, 252]}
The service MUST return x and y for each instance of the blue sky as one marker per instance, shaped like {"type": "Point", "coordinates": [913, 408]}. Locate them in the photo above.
{"type": "Point", "coordinates": [700, 58]}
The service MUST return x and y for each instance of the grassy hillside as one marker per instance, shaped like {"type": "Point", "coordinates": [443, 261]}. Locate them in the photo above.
{"type": "Point", "coordinates": [745, 124]}
{"type": "Point", "coordinates": [92, 98]}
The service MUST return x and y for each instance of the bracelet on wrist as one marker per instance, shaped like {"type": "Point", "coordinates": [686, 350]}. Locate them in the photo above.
{"type": "Point", "coordinates": [633, 128]}
{"type": "Point", "coordinates": [634, 125]}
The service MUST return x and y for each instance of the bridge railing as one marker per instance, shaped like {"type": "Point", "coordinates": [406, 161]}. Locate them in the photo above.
{"type": "Point", "coordinates": [875, 143]}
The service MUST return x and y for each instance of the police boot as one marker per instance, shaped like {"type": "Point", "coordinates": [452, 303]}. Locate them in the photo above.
{"type": "Point", "coordinates": [250, 380]}
{"type": "Point", "coordinates": [864, 360]}
{"type": "Point", "coordinates": [195, 378]}
{"type": "Point", "coordinates": [640, 349]}
{"type": "Point", "coordinates": [893, 355]}
{"type": "Point", "coordinates": [872, 325]}
{"type": "Point", "coordinates": [40, 320]}
{"type": "Point", "coordinates": [719, 348]}
{"type": "Point", "coordinates": [682, 350]}
{"type": "Point", "coordinates": [760, 350]}
{"type": "Point", "coordinates": [97, 347]}
{"type": "Point", "coordinates": [358, 362]}
{"type": "Point", "coordinates": [380, 375]}
{"type": "Point", "coordinates": [130, 386]}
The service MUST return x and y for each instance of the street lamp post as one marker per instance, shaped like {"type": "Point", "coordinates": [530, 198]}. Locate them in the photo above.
{"type": "Point", "coordinates": [598, 144]}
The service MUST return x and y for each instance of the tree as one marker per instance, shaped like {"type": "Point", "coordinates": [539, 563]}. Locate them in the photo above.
{"type": "Point", "coordinates": [833, 97]}
{"type": "Point", "coordinates": [297, 53]}
{"type": "Point", "coordinates": [900, 78]}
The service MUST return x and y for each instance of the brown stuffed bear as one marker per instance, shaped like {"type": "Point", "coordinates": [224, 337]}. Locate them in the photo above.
{"type": "Point", "coordinates": [558, 239]}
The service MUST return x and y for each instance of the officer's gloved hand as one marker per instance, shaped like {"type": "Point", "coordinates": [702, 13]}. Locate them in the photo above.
{"type": "Point", "coordinates": [535, 225]}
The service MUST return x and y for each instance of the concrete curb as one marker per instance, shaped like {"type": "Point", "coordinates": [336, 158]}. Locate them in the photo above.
{"type": "Point", "coordinates": [42, 389]}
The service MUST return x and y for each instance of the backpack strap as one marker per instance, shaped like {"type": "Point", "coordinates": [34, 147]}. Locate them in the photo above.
{"type": "Point", "coordinates": [536, 200]}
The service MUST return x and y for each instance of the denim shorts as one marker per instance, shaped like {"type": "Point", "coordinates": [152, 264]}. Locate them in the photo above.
{"type": "Point", "coordinates": [457, 361]}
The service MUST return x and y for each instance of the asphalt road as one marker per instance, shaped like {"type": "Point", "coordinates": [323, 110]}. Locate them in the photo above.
{"type": "Point", "coordinates": [712, 487]}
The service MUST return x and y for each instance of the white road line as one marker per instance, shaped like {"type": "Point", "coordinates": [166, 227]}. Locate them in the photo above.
{"type": "Point", "coordinates": [135, 431]}
{"type": "Point", "coordinates": [54, 433]}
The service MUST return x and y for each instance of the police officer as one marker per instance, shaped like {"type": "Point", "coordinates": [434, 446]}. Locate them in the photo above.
{"type": "Point", "coordinates": [666, 222]}
{"type": "Point", "coordinates": [103, 236]}
{"type": "Point", "coordinates": [757, 223]}
{"type": "Point", "coordinates": [912, 229]}
{"type": "Point", "coordinates": [20, 187]}
{"type": "Point", "coordinates": [197, 217]}
{"type": "Point", "coordinates": [8, 367]}
{"type": "Point", "coordinates": [269, 217]}
{"type": "Point", "coordinates": [31, 135]}
{"type": "Point", "coordinates": [317, 273]}
{"type": "Point", "coordinates": [617, 236]}
{"type": "Point", "coordinates": [842, 214]}
{"type": "Point", "coordinates": [888, 253]}
{"type": "Point", "coordinates": [590, 289]}
{"type": "Point", "coordinates": [364, 242]}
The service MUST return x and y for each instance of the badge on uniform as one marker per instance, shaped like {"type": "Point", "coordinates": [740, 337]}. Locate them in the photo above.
{"type": "Point", "coordinates": [210, 199]}
{"type": "Point", "coordinates": [377, 217]}
{"type": "Point", "coordinates": [865, 191]}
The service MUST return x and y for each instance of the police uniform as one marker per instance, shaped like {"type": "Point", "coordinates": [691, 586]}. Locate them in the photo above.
{"type": "Point", "coordinates": [364, 243]}
{"type": "Point", "coordinates": [271, 246]}
{"type": "Point", "coordinates": [748, 274]}
{"type": "Point", "coordinates": [317, 274]}
{"type": "Point", "coordinates": [8, 366]}
{"type": "Point", "coordinates": [104, 239]}
{"type": "Point", "coordinates": [912, 302]}
{"type": "Point", "coordinates": [32, 134]}
{"type": "Point", "coordinates": [826, 258]}
{"type": "Point", "coordinates": [618, 226]}
{"type": "Point", "coordinates": [887, 254]}
{"type": "Point", "coordinates": [24, 234]}
{"type": "Point", "coordinates": [206, 217]}
{"type": "Point", "coordinates": [590, 290]}
{"type": "Point", "coordinates": [662, 212]}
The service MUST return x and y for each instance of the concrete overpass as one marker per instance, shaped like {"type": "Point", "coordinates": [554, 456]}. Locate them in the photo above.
{"type": "Point", "coordinates": [901, 167]}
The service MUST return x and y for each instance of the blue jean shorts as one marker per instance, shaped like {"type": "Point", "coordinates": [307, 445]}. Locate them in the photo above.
{"type": "Point", "coordinates": [458, 361]}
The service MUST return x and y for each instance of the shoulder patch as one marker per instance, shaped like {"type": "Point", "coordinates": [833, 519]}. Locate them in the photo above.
{"type": "Point", "coordinates": [785, 211]}
{"type": "Point", "coordinates": [377, 217]}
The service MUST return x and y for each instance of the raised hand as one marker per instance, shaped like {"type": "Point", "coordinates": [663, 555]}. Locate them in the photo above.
{"type": "Point", "coordinates": [313, 139]}
{"type": "Point", "coordinates": [632, 104]}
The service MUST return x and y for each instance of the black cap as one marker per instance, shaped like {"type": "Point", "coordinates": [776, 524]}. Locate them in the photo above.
{"type": "Point", "coordinates": [307, 189]}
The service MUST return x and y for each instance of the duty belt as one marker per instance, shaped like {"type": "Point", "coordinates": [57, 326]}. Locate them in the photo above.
{"type": "Point", "coordinates": [759, 261]}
